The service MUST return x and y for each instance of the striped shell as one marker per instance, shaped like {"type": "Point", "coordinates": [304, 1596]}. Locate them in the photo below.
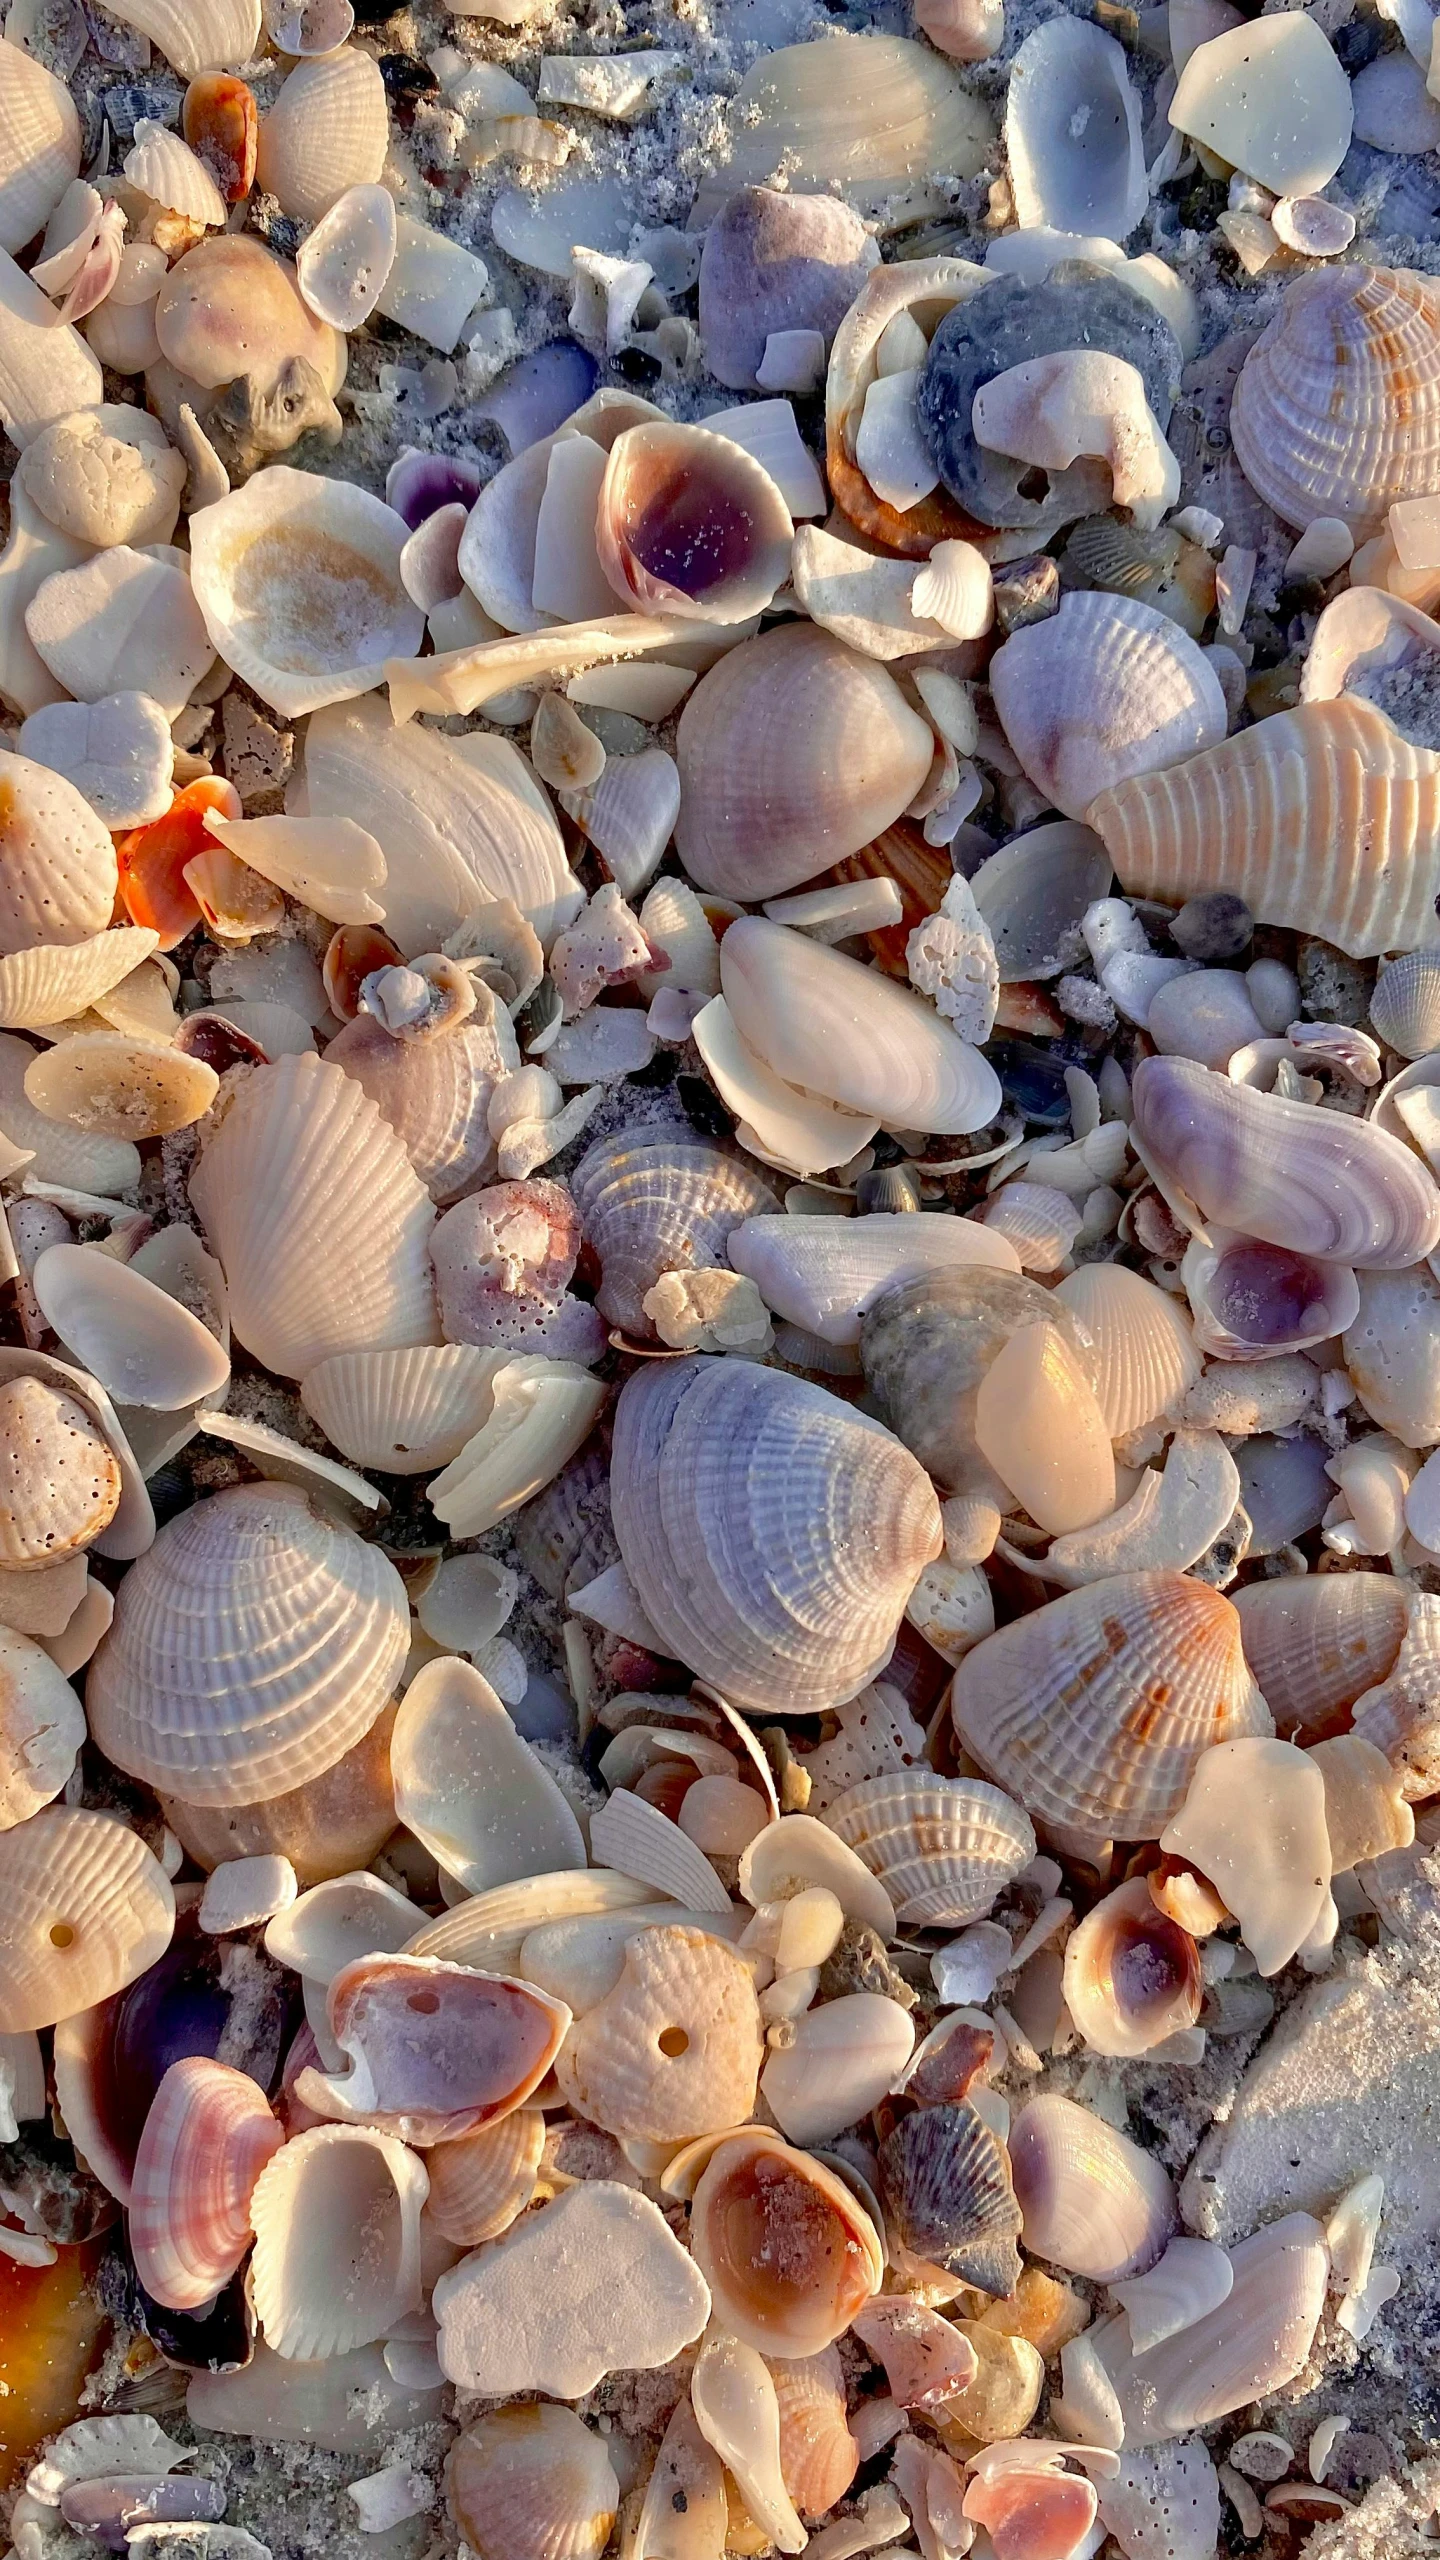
{"type": "Point", "coordinates": [675, 2049]}
{"type": "Point", "coordinates": [84, 1909]}
{"type": "Point", "coordinates": [945, 2185]}
{"type": "Point", "coordinates": [436, 1093]}
{"type": "Point", "coordinates": [944, 1848]}
{"type": "Point", "coordinates": [327, 131]}
{"type": "Point", "coordinates": [1094, 1710]}
{"type": "Point", "coordinates": [1102, 690]}
{"type": "Point", "coordinates": [660, 1204]}
{"type": "Point", "coordinates": [207, 2137]}
{"type": "Point", "coordinates": [1323, 818]}
{"type": "Point", "coordinates": [1405, 1007]}
{"type": "Point", "coordinates": [1316, 1641]}
{"type": "Point", "coordinates": [403, 1412]}
{"type": "Point", "coordinates": [58, 873]}
{"type": "Point", "coordinates": [819, 2457]}
{"type": "Point", "coordinates": [196, 35]}
{"type": "Point", "coordinates": [482, 2181]}
{"type": "Point", "coordinates": [1144, 1356]}
{"type": "Point", "coordinates": [337, 2240]}
{"type": "Point", "coordinates": [53, 981]}
{"type": "Point", "coordinates": [39, 145]}
{"type": "Point", "coordinates": [1337, 408]}
{"type": "Point", "coordinates": [532, 2482]}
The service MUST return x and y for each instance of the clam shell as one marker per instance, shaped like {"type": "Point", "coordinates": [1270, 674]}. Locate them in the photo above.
{"type": "Point", "coordinates": [1093, 2201]}
{"type": "Point", "coordinates": [490, 1929]}
{"type": "Point", "coordinates": [138, 1340]}
{"type": "Point", "coordinates": [1405, 1005]}
{"type": "Point", "coordinates": [1337, 408]}
{"type": "Point", "coordinates": [46, 368]}
{"type": "Point", "coordinates": [256, 1644]}
{"type": "Point", "coordinates": [650, 1205]}
{"type": "Point", "coordinates": [1193, 2278]}
{"type": "Point", "coordinates": [337, 2240]}
{"type": "Point", "coordinates": [86, 1910]}
{"type": "Point", "coordinates": [197, 35]}
{"type": "Point", "coordinates": [1323, 818]}
{"type": "Point", "coordinates": [1254, 2342]}
{"type": "Point", "coordinates": [434, 2050]}
{"type": "Point", "coordinates": [921, 290]}
{"type": "Point", "coordinates": [1364, 636]}
{"type": "Point", "coordinates": [882, 110]}
{"type": "Point", "coordinates": [846, 2055]}
{"type": "Point", "coordinates": [1094, 1710]}
{"type": "Point", "coordinates": [946, 2188]}
{"type": "Point", "coordinates": [1253, 1822]}
{"type": "Point", "coordinates": [1102, 691]}
{"type": "Point", "coordinates": [57, 860]}
{"type": "Point", "coordinates": [39, 145]}
{"type": "Point", "coordinates": [1316, 1642]}
{"type": "Point", "coordinates": [314, 1271]}
{"type": "Point", "coordinates": [467, 1785]}
{"type": "Point", "coordinates": [324, 1828]}
{"type": "Point", "coordinates": [541, 1412]}
{"type": "Point", "coordinates": [532, 2483]}
{"type": "Point", "coordinates": [298, 579]}
{"type": "Point", "coordinates": [1072, 133]}
{"type": "Point", "coordinates": [404, 1413]}
{"type": "Point", "coordinates": [1132, 1977]}
{"type": "Point", "coordinates": [1251, 1299]}
{"type": "Point", "coordinates": [208, 2135]}
{"type": "Point", "coordinates": [42, 1727]}
{"type": "Point", "coordinates": [690, 523]}
{"type": "Point", "coordinates": [927, 1344]}
{"type": "Point", "coordinates": [944, 1848]}
{"type": "Point", "coordinates": [110, 1086]}
{"type": "Point", "coordinates": [52, 981]}
{"type": "Point", "coordinates": [788, 2253]}
{"type": "Point", "coordinates": [60, 1480]}
{"type": "Point", "coordinates": [819, 2457]}
{"type": "Point", "coordinates": [435, 1094]}
{"type": "Point", "coordinates": [800, 1484]}
{"type": "Point", "coordinates": [823, 1274]}
{"type": "Point", "coordinates": [328, 130]}
{"type": "Point", "coordinates": [675, 2049]}
{"type": "Point", "coordinates": [481, 2182]}
{"type": "Point", "coordinates": [130, 1527]}
{"type": "Point", "coordinates": [1144, 1359]}
{"type": "Point", "coordinates": [333, 1924]}
{"type": "Point", "coordinates": [768, 796]}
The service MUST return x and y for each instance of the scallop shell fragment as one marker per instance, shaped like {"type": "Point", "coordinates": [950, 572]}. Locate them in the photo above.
{"type": "Point", "coordinates": [39, 145]}
{"type": "Point", "coordinates": [208, 2135]}
{"type": "Point", "coordinates": [298, 579]}
{"type": "Point", "coordinates": [50, 982]}
{"type": "Point", "coordinates": [675, 2049]}
{"type": "Point", "coordinates": [405, 1413]}
{"type": "Point", "coordinates": [1093, 2201]}
{"type": "Point", "coordinates": [532, 2482]}
{"type": "Point", "coordinates": [944, 1848]}
{"type": "Point", "coordinates": [1104, 690]}
{"type": "Point", "coordinates": [86, 1910]}
{"type": "Point", "coordinates": [788, 2253]}
{"type": "Point", "coordinates": [946, 2186]}
{"type": "Point", "coordinates": [1145, 1359]}
{"type": "Point", "coordinates": [434, 2050]}
{"type": "Point", "coordinates": [481, 2182]}
{"type": "Point", "coordinates": [337, 2240]}
{"type": "Point", "coordinates": [327, 131]}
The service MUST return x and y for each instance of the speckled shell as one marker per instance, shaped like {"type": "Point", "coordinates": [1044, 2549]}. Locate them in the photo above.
{"type": "Point", "coordinates": [945, 2185]}
{"type": "Point", "coordinates": [532, 2482]}
{"type": "Point", "coordinates": [58, 875]}
{"type": "Point", "coordinates": [788, 2253]}
{"type": "Point", "coordinates": [39, 145]}
{"type": "Point", "coordinates": [1316, 1641]}
{"type": "Point", "coordinates": [925, 289]}
{"type": "Point", "coordinates": [327, 131]}
{"type": "Point", "coordinates": [59, 1478]}
{"type": "Point", "coordinates": [1094, 1710]}
{"type": "Point", "coordinates": [206, 2139]}
{"type": "Point", "coordinates": [1144, 1348]}
{"type": "Point", "coordinates": [772, 1535]}
{"type": "Point", "coordinates": [337, 2240]}
{"type": "Point", "coordinates": [616, 2070]}
{"type": "Point", "coordinates": [1323, 818]}
{"type": "Point", "coordinates": [84, 1909]}
{"type": "Point", "coordinates": [404, 1412]}
{"type": "Point", "coordinates": [944, 1848]}
{"type": "Point", "coordinates": [658, 1204]}
{"type": "Point", "coordinates": [1100, 691]}
{"type": "Point", "coordinates": [480, 2182]}
{"type": "Point", "coordinates": [254, 1644]}
{"type": "Point", "coordinates": [1337, 408]}
{"type": "Point", "coordinates": [819, 2457]}
{"type": "Point", "coordinates": [435, 1093]}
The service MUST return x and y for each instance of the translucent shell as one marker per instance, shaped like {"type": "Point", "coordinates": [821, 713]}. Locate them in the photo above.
{"type": "Point", "coordinates": [827, 1522]}
{"type": "Point", "coordinates": [944, 1848]}
{"type": "Point", "coordinates": [328, 1827]}
{"type": "Point", "coordinates": [434, 2050]}
{"type": "Point", "coordinates": [255, 1644]}
{"type": "Point", "coordinates": [481, 2182]}
{"type": "Point", "coordinates": [819, 2457]}
{"type": "Point", "coordinates": [42, 1727]}
{"type": "Point", "coordinates": [39, 146]}
{"type": "Point", "coordinates": [1324, 818]}
{"type": "Point", "coordinates": [58, 875]}
{"type": "Point", "coordinates": [403, 1412]}
{"type": "Point", "coordinates": [207, 2137]}
{"type": "Point", "coordinates": [532, 2482]}
{"type": "Point", "coordinates": [142, 1344]}
{"type": "Point", "coordinates": [60, 1480]}
{"type": "Point", "coordinates": [1094, 1710]}
{"type": "Point", "coordinates": [650, 1205]}
{"type": "Point", "coordinates": [1144, 1356]}
{"type": "Point", "coordinates": [84, 1909]}
{"type": "Point", "coordinates": [54, 981]}
{"type": "Point", "coordinates": [315, 1267]}
{"type": "Point", "coordinates": [1316, 1642]}
{"type": "Point", "coordinates": [298, 579]}
{"type": "Point", "coordinates": [337, 2240]}
{"type": "Point", "coordinates": [675, 2049]}
{"type": "Point", "coordinates": [197, 35]}
{"type": "Point", "coordinates": [1337, 408]}
{"type": "Point", "coordinates": [435, 1094]}
{"type": "Point", "coordinates": [690, 523]}
{"type": "Point", "coordinates": [1093, 2201]}
{"type": "Point", "coordinates": [946, 2187]}
{"type": "Point", "coordinates": [1104, 689]}
{"type": "Point", "coordinates": [327, 131]}
{"type": "Point", "coordinates": [1254, 2342]}
{"type": "Point", "coordinates": [788, 2253]}
{"type": "Point", "coordinates": [1132, 1976]}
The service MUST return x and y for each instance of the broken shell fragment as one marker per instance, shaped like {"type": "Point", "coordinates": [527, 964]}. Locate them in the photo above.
{"type": "Point", "coordinates": [944, 1848]}
{"type": "Point", "coordinates": [468, 1786]}
{"type": "Point", "coordinates": [690, 523]}
{"type": "Point", "coordinates": [532, 2482]}
{"type": "Point", "coordinates": [1093, 2201]}
{"type": "Point", "coordinates": [115, 1087]}
{"type": "Point", "coordinates": [208, 2135]}
{"type": "Point", "coordinates": [298, 579]}
{"type": "Point", "coordinates": [1256, 2340]}
{"type": "Point", "coordinates": [788, 2253]}
{"type": "Point", "coordinates": [481, 2182]}
{"type": "Point", "coordinates": [342, 268]}
{"type": "Point", "coordinates": [847, 2053]}
{"type": "Point", "coordinates": [824, 1273]}
{"type": "Point", "coordinates": [1132, 1977]}
{"type": "Point", "coordinates": [1072, 131]}
{"type": "Point", "coordinates": [434, 2051]}
{"type": "Point", "coordinates": [336, 2215]}
{"type": "Point", "coordinates": [41, 1725]}
{"type": "Point", "coordinates": [736, 2408]}
{"type": "Point", "coordinates": [592, 2284]}
{"type": "Point", "coordinates": [1253, 1822]}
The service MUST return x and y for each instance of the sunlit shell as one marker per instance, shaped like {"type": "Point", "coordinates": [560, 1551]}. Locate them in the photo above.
{"type": "Point", "coordinates": [255, 1644]}
{"type": "Point", "coordinates": [130, 1526]}
{"type": "Point", "coordinates": [1144, 1355]}
{"type": "Point", "coordinates": [57, 859]}
{"type": "Point", "coordinates": [946, 2188]}
{"type": "Point", "coordinates": [467, 1785]}
{"type": "Point", "coordinates": [60, 1480]}
{"type": "Point", "coordinates": [337, 2240]}
{"type": "Point", "coordinates": [197, 35]}
{"type": "Point", "coordinates": [433, 2050]}
{"type": "Point", "coordinates": [403, 1412]}
{"type": "Point", "coordinates": [314, 1270]}
{"type": "Point", "coordinates": [221, 123]}
{"type": "Point", "coordinates": [84, 1909]}
{"type": "Point", "coordinates": [818, 2455]}
{"type": "Point", "coordinates": [798, 1854]}
{"type": "Point", "coordinates": [1316, 1642]}
{"type": "Point", "coordinates": [1256, 2340]}
{"type": "Point", "coordinates": [1028, 2514]}
{"type": "Point", "coordinates": [788, 2253]}
{"type": "Point", "coordinates": [110, 1086]}
{"type": "Point", "coordinates": [207, 2137]}
{"type": "Point", "coordinates": [1072, 132]}
{"type": "Point", "coordinates": [944, 1848]}
{"type": "Point", "coordinates": [54, 981]}
{"type": "Point", "coordinates": [926, 2358]}
{"type": "Point", "coordinates": [482, 2181]}
{"type": "Point", "coordinates": [42, 1727]}
{"type": "Point", "coordinates": [738, 2412]}
{"type": "Point", "coordinates": [1365, 1810]}
{"type": "Point", "coordinates": [823, 1273]}
{"type": "Point", "coordinates": [1132, 1977]}
{"type": "Point", "coordinates": [634, 1836]}
{"type": "Point", "coordinates": [1095, 1709]}
{"type": "Point", "coordinates": [921, 290]}
{"type": "Point", "coordinates": [138, 1340]}
{"type": "Point", "coordinates": [690, 523]}
{"type": "Point", "coordinates": [650, 1205]}
{"type": "Point", "coordinates": [39, 145]}
{"type": "Point", "coordinates": [298, 578]}
{"type": "Point", "coordinates": [1093, 2201]}
{"type": "Point", "coordinates": [1337, 408]}
{"type": "Point", "coordinates": [161, 166]}
{"type": "Point", "coordinates": [435, 1093]}
{"type": "Point", "coordinates": [675, 2049]}
{"type": "Point", "coordinates": [229, 310]}
{"type": "Point", "coordinates": [532, 2482]}
{"type": "Point", "coordinates": [1103, 690]}
{"type": "Point", "coordinates": [327, 131]}
{"type": "Point", "coordinates": [928, 1344]}
{"type": "Point", "coordinates": [327, 1827]}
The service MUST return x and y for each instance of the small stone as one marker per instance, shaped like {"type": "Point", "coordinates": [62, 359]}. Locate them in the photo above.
{"type": "Point", "coordinates": [1005, 2394]}
{"type": "Point", "coordinates": [776, 262]}
{"type": "Point", "coordinates": [1333, 988]}
{"type": "Point", "coordinates": [860, 1963]}
{"type": "Point", "coordinates": [1217, 926]}
{"type": "Point", "coordinates": [1026, 591]}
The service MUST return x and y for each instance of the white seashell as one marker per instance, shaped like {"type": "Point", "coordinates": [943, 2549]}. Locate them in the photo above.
{"type": "Point", "coordinates": [337, 2240]}
{"type": "Point", "coordinates": [59, 872]}
{"type": "Point", "coordinates": [532, 2483]}
{"type": "Point", "coordinates": [822, 1273]}
{"type": "Point", "coordinates": [331, 864]}
{"type": "Point", "coordinates": [215, 35]}
{"type": "Point", "coordinates": [943, 1848]}
{"type": "Point", "coordinates": [46, 369]}
{"type": "Point", "coordinates": [689, 523]}
{"type": "Point", "coordinates": [403, 1412]}
{"type": "Point", "coordinates": [39, 145]}
{"type": "Point", "coordinates": [327, 131]}
{"type": "Point", "coordinates": [784, 2298]}
{"type": "Point", "coordinates": [1104, 690]}
{"type": "Point", "coordinates": [1053, 409]}
{"type": "Point", "coordinates": [143, 1346]}
{"type": "Point", "coordinates": [866, 601]}
{"type": "Point", "coordinates": [1039, 1223]}
{"type": "Point", "coordinates": [1193, 2278]}
{"type": "Point", "coordinates": [832, 915]}
{"type": "Point", "coordinates": [882, 110]}
{"type": "Point", "coordinates": [117, 752]}
{"type": "Point", "coordinates": [541, 1411]}
{"type": "Point", "coordinates": [629, 815]}
{"type": "Point", "coordinates": [1072, 132]}
{"type": "Point", "coordinates": [436, 1093]}
{"type": "Point", "coordinates": [735, 2405]}
{"type": "Point", "coordinates": [52, 981]}
{"type": "Point", "coordinates": [124, 615]}
{"type": "Point", "coordinates": [241, 1893]}
{"type": "Point", "coordinates": [102, 2449]}
{"type": "Point", "coordinates": [1365, 633]}
{"type": "Point", "coordinates": [489, 1930]}
{"type": "Point", "coordinates": [595, 2283]}
{"type": "Point", "coordinates": [955, 588]}
{"type": "Point", "coordinates": [337, 1921]}
{"type": "Point", "coordinates": [482, 2182]}
{"type": "Point", "coordinates": [433, 285]}
{"type": "Point", "coordinates": [87, 1910]}
{"type": "Point", "coordinates": [164, 168]}
{"type": "Point", "coordinates": [1255, 2341]}
{"type": "Point", "coordinates": [114, 1087]}
{"type": "Point", "coordinates": [41, 1726]}
{"type": "Point", "coordinates": [685, 2507]}
{"type": "Point", "coordinates": [343, 266]}
{"type": "Point", "coordinates": [304, 27]}
{"type": "Point", "coordinates": [638, 1840]}
{"type": "Point", "coordinates": [298, 579]}
{"type": "Point", "coordinates": [467, 1785]}
{"type": "Point", "coordinates": [1253, 1822]}
{"type": "Point", "coordinates": [1172, 1518]}
{"type": "Point", "coordinates": [660, 1205]}
{"type": "Point", "coordinates": [1039, 1425]}
{"type": "Point", "coordinates": [1279, 107]}
{"type": "Point", "coordinates": [777, 1123]}
{"type": "Point", "coordinates": [1093, 2201]}
{"type": "Point", "coordinates": [845, 2056]}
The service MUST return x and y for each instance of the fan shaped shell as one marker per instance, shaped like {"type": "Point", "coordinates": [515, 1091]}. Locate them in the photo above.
{"type": "Point", "coordinates": [39, 145]}
{"type": "Point", "coordinates": [1337, 408]}
{"type": "Point", "coordinates": [55, 981]}
{"type": "Point", "coordinates": [532, 2482]}
{"type": "Point", "coordinates": [197, 35]}
{"type": "Point", "coordinates": [482, 2181]}
{"type": "Point", "coordinates": [337, 2240]}
{"type": "Point", "coordinates": [404, 1412]}
{"type": "Point", "coordinates": [660, 1204]}
{"type": "Point", "coordinates": [1144, 1356]}
{"type": "Point", "coordinates": [1316, 1642]}
{"type": "Point", "coordinates": [84, 1909]}
{"type": "Point", "coordinates": [819, 2457]}
{"type": "Point", "coordinates": [328, 1827]}
{"type": "Point", "coordinates": [58, 873]}
{"type": "Point", "coordinates": [675, 2049]}
{"type": "Point", "coordinates": [944, 1848]}
{"type": "Point", "coordinates": [328, 131]}
{"type": "Point", "coordinates": [945, 2185]}
{"type": "Point", "coordinates": [1405, 1007]}
{"type": "Point", "coordinates": [1104, 689]}
{"type": "Point", "coordinates": [436, 1093]}
{"type": "Point", "coordinates": [255, 1643]}
{"type": "Point", "coordinates": [206, 2139]}
{"type": "Point", "coordinates": [1093, 2201]}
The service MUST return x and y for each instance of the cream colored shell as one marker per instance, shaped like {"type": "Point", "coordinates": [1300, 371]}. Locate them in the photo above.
{"type": "Point", "coordinates": [39, 145]}
{"type": "Point", "coordinates": [482, 2181]}
{"type": "Point", "coordinates": [327, 131]}
{"type": "Point", "coordinates": [675, 2049]}
{"type": "Point", "coordinates": [58, 874]}
{"type": "Point", "coordinates": [1143, 1356]}
{"type": "Point", "coordinates": [84, 1909]}
{"type": "Point", "coordinates": [944, 1848]}
{"type": "Point", "coordinates": [42, 1728]}
{"type": "Point", "coordinates": [197, 35]}
{"type": "Point", "coordinates": [1337, 408]}
{"type": "Point", "coordinates": [403, 1412]}
{"type": "Point", "coordinates": [59, 1478]}
{"type": "Point", "coordinates": [532, 2482]}
{"type": "Point", "coordinates": [337, 2240]}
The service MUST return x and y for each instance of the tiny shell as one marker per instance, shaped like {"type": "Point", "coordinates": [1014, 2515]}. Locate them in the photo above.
{"type": "Point", "coordinates": [946, 2185]}
{"type": "Point", "coordinates": [221, 124]}
{"type": "Point", "coordinates": [337, 2240]}
{"type": "Point", "coordinates": [799, 1854]}
{"type": "Point", "coordinates": [926, 2359]}
{"type": "Point", "coordinates": [299, 582]}
{"type": "Point", "coordinates": [208, 2135]}
{"type": "Point", "coordinates": [1093, 2201]}
{"type": "Point", "coordinates": [164, 168]}
{"type": "Point", "coordinates": [532, 2482]}
{"type": "Point", "coordinates": [435, 2051]}
{"type": "Point", "coordinates": [674, 2050]}
{"type": "Point", "coordinates": [327, 131]}
{"type": "Point", "coordinates": [342, 267]}
{"type": "Point", "coordinates": [87, 1909]}
{"type": "Point", "coordinates": [944, 1848]}
{"type": "Point", "coordinates": [788, 2253]}
{"type": "Point", "coordinates": [819, 2456]}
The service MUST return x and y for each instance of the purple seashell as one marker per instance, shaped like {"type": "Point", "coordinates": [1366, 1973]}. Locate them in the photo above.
{"type": "Point", "coordinates": [776, 261]}
{"type": "Point", "coordinates": [419, 484]}
{"type": "Point", "coordinates": [429, 570]}
{"type": "Point", "coordinates": [1252, 1299]}
{"type": "Point", "coordinates": [1283, 1487]}
{"type": "Point", "coordinates": [109, 2508]}
{"type": "Point", "coordinates": [538, 394]}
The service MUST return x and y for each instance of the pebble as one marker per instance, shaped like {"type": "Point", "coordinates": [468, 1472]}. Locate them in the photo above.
{"type": "Point", "coordinates": [1215, 927]}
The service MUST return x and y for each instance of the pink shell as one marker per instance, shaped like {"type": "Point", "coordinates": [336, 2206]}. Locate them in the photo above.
{"type": "Point", "coordinates": [207, 2137]}
{"type": "Point", "coordinates": [435, 2050]}
{"type": "Point", "coordinates": [1033, 2515]}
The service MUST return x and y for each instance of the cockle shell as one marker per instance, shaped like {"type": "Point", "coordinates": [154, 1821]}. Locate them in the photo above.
{"type": "Point", "coordinates": [1132, 1977]}
{"type": "Point", "coordinates": [208, 2135]}
{"type": "Point", "coordinates": [944, 1848]}
{"type": "Point", "coordinates": [768, 794]}
{"type": "Point", "coordinates": [51, 982]}
{"type": "Point", "coordinates": [1405, 1006]}
{"type": "Point", "coordinates": [675, 2049]}
{"type": "Point", "coordinates": [883, 109]}
{"type": "Point", "coordinates": [140, 1342]}
{"type": "Point", "coordinates": [788, 2253]}
{"type": "Point", "coordinates": [1103, 690]}
{"type": "Point", "coordinates": [595, 2283]}
{"type": "Point", "coordinates": [1316, 1642]}
{"type": "Point", "coordinates": [1093, 2201]}
{"type": "Point", "coordinates": [39, 145]}
{"type": "Point", "coordinates": [468, 1786]}
{"type": "Point", "coordinates": [698, 1442]}
{"type": "Point", "coordinates": [655, 1204]}
{"type": "Point", "coordinates": [639, 1840]}
{"type": "Point", "coordinates": [313, 1272]}
{"type": "Point", "coordinates": [86, 1909]}
{"type": "Point", "coordinates": [42, 1728]}
{"type": "Point", "coordinates": [823, 1274]}
{"type": "Point", "coordinates": [299, 582]}
{"type": "Point", "coordinates": [337, 2240]}
{"type": "Point", "coordinates": [327, 131]}
{"type": "Point", "coordinates": [214, 35]}
{"type": "Point", "coordinates": [1094, 1710]}
{"type": "Point", "coordinates": [1323, 818]}
{"type": "Point", "coordinates": [927, 1345]}
{"type": "Point", "coordinates": [1144, 1354]}
{"type": "Point", "coordinates": [921, 291]}
{"type": "Point", "coordinates": [532, 2482]}
{"type": "Point", "coordinates": [164, 168]}
{"type": "Point", "coordinates": [255, 1644]}
{"type": "Point", "coordinates": [1316, 1182]}
{"type": "Point", "coordinates": [818, 2455]}
{"type": "Point", "coordinates": [946, 2187]}
{"type": "Point", "coordinates": [434, 2051]}
{"type": "Point", "coordinates": [1252, 2343]}
{"type": "Point", "coordinates": [1337, 408]}
{"type": "Point", "coordinates": [1072, 132]}
{"type": "Point", "coordinates": [403, 1412]}
{"type": "Point", "coordinates": [324, 1827]}
{"type": "Point", "coordinates": [57, 859]}
{"type": "Point", "coordinates": [436, 1093]}
{"type": "Point", "coordinates": [60, 1480]}
{"type": "Point", "coordinates": [481, 2182]}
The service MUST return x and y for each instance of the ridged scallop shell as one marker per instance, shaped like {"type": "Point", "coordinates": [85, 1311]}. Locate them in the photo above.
{"type": "Point", "coordinates": [1405, 1005]}
{"type": "Point", "coordinates": [1337, 408]}
{"type": "Point", "coordinates": [1316, 1642]}
{"type": "Point", "coordinates": [298, 579]}
{"type": "Point", "coordinates": [635, 1837]}
{"type": "Point", "coordinates": [532, 2482]}
{"type": "Point", "coordinates": [1132, 1976]}
{"type": "Point", "coordinates": [675, 2049]}
{"type": "Point", "coordinates": [328, 1827]}
{"type": "Point", "coordinates": [39, 146]}
{"type": "Point", "coordinates": [197, 35]}
{"type": "Point", "coordinates": [690, 523]}
{"type": "Point", "coordinates": [788, 2253]}
{"type": "Point", "coordinates": [927, 1344]}
{"type": "Point", "coordinates": [944, 1848]}
{"type": "Point", "coordinates": [328, 130]}
{"type": "Point", "coordinates": [60, 1481]}
{"type": "Point", "coordinates": [823, 1273]}
{"type": "Point", "coordinates": [208, 2135]}
{"type": "Point", "coordinates": [819, 2457]}
{"type": "Point", "coordinates": [52, 982]}
{"type": "Point", "coordinates": [482, 2181]}
{"type": "Point", "coordinates": [84, 1909]}
{"type": "Point", "coordinates": [58, 874]}
{"type": "Point", "coordinates": [254, 1645]}
{"type": "Point", "coordinates": [435, 1093]}
{"type": "Point", "coordinates": [403, 1412]}
{"type": "Point", "coordinates": [1093, 2201]}
{"type": "Point", "coordinates": [315, 1267]}
{"type": "Point", "coordinates": [922, 289]}
{"type": "Point", "coordinates": [827, 1522]}
{"type": "Point", "coordinates": [945, 2185]}
{"type": "Point", "coordinates": [337, 2240]}
{"type": "Point", "coordinates": [1101, 691]}
{"type": "Point", "coordinates": [1094, 1710]}
{"type": "Point", "coordinates": [794, 752]}
{"type": "Point", "coordinates": [650, 1205]}
{"type": "Point", "coordinates": [434, 2050]}
{"type": "Point", "coordinates": [1144, 1357]}
{"type": "Point", "coordinates": [164, 168]}
{"type": "Point", "coordinates": [42, 1727]}
{"type": "Point", "coordinates": [1324, 818]}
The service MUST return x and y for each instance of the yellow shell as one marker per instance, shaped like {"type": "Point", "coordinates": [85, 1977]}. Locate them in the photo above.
{"type": "Point", "coordinates": [533, 2482]}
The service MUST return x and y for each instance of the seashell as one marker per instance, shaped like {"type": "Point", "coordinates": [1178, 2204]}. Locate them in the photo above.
{"type": "Point", "coordinates": [824, 1274]}
{"type": "Point", "coordinates": [402, 1412]}
{"type": "Point", "coordinates": [1103, 690]}
{"type": "Point", "coordinates": [337, 2240]}
{"type": "Point", "coordinates": [60, 1501]}
{"type": "Point", "coordinates": [342, 268]}
{"type": "Point", "coordinates": [1253, 1822]}
{"type": "Point", "coordinates": [776, 1122]}
{"type": "Point", "coordinates": [946, 2187]}
{"type": "Point", "coordinates": [1192, 2278]}
{"type": "Point", "coordinates": [635, 1837]}
{"type": "Point", "coordinates": [662, 1204]}
{"type": "Point", "coordinates": [1072, 133]}
{"type": "Point", "coordinates": [1313, 1181]}
{"type": "Point", "coordinates": [108, 476]}
{"type": "Point", "coordinates": [788, 2253]}
{"type": "Point", "coordinates": [298, 579]}
{"type": "Point", "coordinates": [765, 799]}
{"type": "Point", "coordinates": [1374, 644]}
{"type": "Point", "coordinates": [123, 614]}
{"type": "Point", "coordinates": [1093, 2202]}
{"type": "Point", "coordinates": [1152, 1674]}
{"type": "Point", "coordinates": [58, 861]}
{"type": "Point", "coordinates": [208, 2135]}
{"type": "Point", "coordinates": [774, 262]}
{"type": "Point", "coordinates": [1336, 411]}
{"type": "Point", "coordinates": [329, 1927]}
{"type": "Point", "coordinates": [1039, 1223]}
{"type": "Point", "coordinates": [306, 27]}
{"type": "Point", "coordinates": [1026, 2512]}
{"type": "Point", "coordinates": [818, 2455]}
{"type": "Point", "coordinates": [87, 1910]}
{"type": "Point", "coordinates": [1316, 1643]}
{"type": "Point", "coordinates": [920, 293]}
{"type": "Point", "coordinates": [541, 1412]}
{"type": "Point", "coordinates": [1254, 2342]}
{"type": "Point", "coordinates": [690, 523]}
{"type": "Point", "coordinates": [532, 2482]}
{"type": "Point", "coordinates": [1242, 815]}
{"type": "Point", "coordinates": [117, 752]}
{"type": "Point", "coordinates": [845, 2057]}
{"type": "Point", "coordinates": [596, 2283]}
{"type": "Point", "coordinates": [1039, 1426]}
{"type": "Point", "coordinates": [276, 1705]}
{"type": "Point", "coordinates": [481, 2182]}
{"type": "Point", "coordinates": [686, 2490]}
{"type": "Point", "coordinates": [1144, 1359]}
{"type": "Point", "coordinates": [46, 368]}
{"type": "Point", "coordinates": [675, 2049]}
{"type": "Point", "coordinates": [435, 1094]}
{"type": "Point", "coordinates": [880, 111]}
{"type": "Point", "coordinates": [330, 864]}
{"type": "Point", "coordinates": [42, 1728]}
{"type": "Point", "coordinates": [221, 124]}
{"type": "Point", "coordinates": [1365, 1811]}
{"type": "Point", "coordinates": [456, 1758]}
{"type": "Point", "coordinates": [944, 1848]}
{"type": "Point", "coordinates": [434, 2051]}
{"type": "Point", "coordinates": [798, 1855]}
{"type": "Point", "coordinates": [143, 1346]}
{"type": "Point", "coordinates": [1132, 1977]}
{"type": "Point", "coordinates": [1405, 1005]}
{"type": "Point", "coordinates": [740, 1616]}
{"type": "Point", "coordinates": [738, 2412]}
{"type": "Point", "coordinates": [926, 2359]}
{"type": "Point", "coordinates": [214, 37]}
{"type": "Point", "coordinates": [327, 131]}
{"type": "Point", "coordinates": [229, 313]}
{"type": "Point", "coordinates": [927, 1344]}
{"type": "Point", "coordinates": [164, 168]}
{"type": "Point", "coordinates": [629, 815]}
{"type": "Point", "coordinates": [1389, 1351]}
{"type": "Point", "coordinates": [39, 145]}
{"type": "Point", "coordinates": [1172, 1518]}
{"type": "Point", "coordinates": [1249, 1299]}
{"type": "Point", "coordinates": [113, 1087]}
{"type": "Point", "coordinates": [324, 1827]}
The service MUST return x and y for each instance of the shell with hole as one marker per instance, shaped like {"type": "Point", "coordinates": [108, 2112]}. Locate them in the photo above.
{"type": "Point", "coordinates": [689, 523]}
{"type": "Point", "coordinates": [1132, 1976]}
{"type": "Point", "coordinates": [57, 860]}
{"type": "Point", "coordinates": [436, 1093]}
{"type": "Point", "coordinates": [337, 2240]}
{"type": "Point", "coordinates": [788, 2252]}
{"type": "Point", "coordinates": [315, 1270]}
{"type": "Point", "coordinates": [208, 2135]}
{"type": "Point", "coordinates": [60, 1477]}
{"type": "Point", "coordinates": [1337, 408]}
{"type": "Point", "coordinates": [827, 1523]}
{"type": "Point", "coordinates": [664, 1203]}
{"type": "Point", "coordinates": [298, 579]}
{"type": "Point", "coordinates": [403, 1412]}
{"type": "Point", "coordinates": [915, 296]}
{"type": "Point", "coordinates": [675, 2049]}
{"type": "Point", "coordinates": [1093, 2201]}
{"type": "Point", "coordinates": [433, 2050]}
{"type": "Point", "coordinates": [946, 2187]}
{"type": "Point", "coordinates": [944, 1848]}
{"type": "Point", "coordinates": [86, 1910]}
{"type": "Point", "coordinates": [1094, 1710]}
{"type": "Point", "coordinates": [532, 2482]}
{"type": "Point", "coordinates": [1104, 689]}
{"type": "Point", "coordinates": [254, 1645]}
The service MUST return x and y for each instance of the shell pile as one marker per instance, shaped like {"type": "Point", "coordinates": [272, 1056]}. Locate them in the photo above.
{"type": "Point", "coordinates": [719, 1279]}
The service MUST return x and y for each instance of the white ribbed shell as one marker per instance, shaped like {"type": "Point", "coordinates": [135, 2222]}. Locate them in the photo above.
{"type": "Point", "coordinates": [1104, 689]}
{"type": "Point", "coordinates": [197, 35]}
{"type": "Point", "coordinates": [1337, 408]}
{"type": "Point", "coordinates": [434, 1093]}
{"type": "Point", "coordinates": [1144, 1354]}
{"type": "Point", "coordinates": [944, 1848]}
{"type": "Point", "coordinates": [39, 145]}
{"type": "Point", "coordinates": [84, 1909]}
{"type": "Point", "coordinates": [655, 1204]}
{"type": "Point", "coordinates": [337, 2240]}
{"type": "Point", "coordinates": [480, 2183]}
{"type": "Point", "coordinates": [327, 131]}
{"type": "Point", "coordinates": [58, 875]}
{"type": "Point", "coordinates": [54, 981]}
{"type": "Point", "coordinates": [404, 1412]}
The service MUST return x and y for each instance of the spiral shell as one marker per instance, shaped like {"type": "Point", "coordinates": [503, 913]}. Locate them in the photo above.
{"type": "Point", "coordinates": [1316, 1642]}
{"type": "Point", "coordinates": [327, 131]}
{"type": "Point", "coordinates": [675, 2049]}
{"type": "Point", "coordinates": [1094, 1710]}
{"type": "Point", "coordinates": [434, 2050]}
{"type": "Point", "coordinates": [39, 145]}
{"type": "Point", "coordinates": [1132, 1976]}
{"type": "Point", "coordinates": [84, 1909]}
{"type": "Point", "coordinates": [944, 1848]}
{"type": "Point", "coordinates": [1101, 691]}
{"type": "Point", "coordinates": [208, 2135]}
{"type": "Point", "coordinates": [1144, 1355]}
{"type": "Point", "coordinates": [532, 2482]}
{"type": "Point", "coordinates": [403, 1412]}
{"type": "Point", "coordinates": [60, 1480]}
{"type": "Point", "coordinates": [945, 2184]}
{"type": "Point", "coordinates": [337, 2240]}
{"type": "Point", "coordinates": [1337, 408]}
{"type": "Point", "coordinates": [650, 1205]}
{"type": "Point", "coordinates": [788, 2253]}
{"type": "Point", "coordinates": [482, 2181]}
{"type": "Point", "coordinates": [819, 2457]}
{"type": "Point", "coordinates": [255, 1643]}
{"type": "Point", "coordinates": [435, 1094]}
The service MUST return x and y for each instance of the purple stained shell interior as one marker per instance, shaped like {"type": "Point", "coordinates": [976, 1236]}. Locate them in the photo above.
{"type": "Point", "coordinates": [1266, 1295]}
{"type": "Point", "coordinates": [418, 485]}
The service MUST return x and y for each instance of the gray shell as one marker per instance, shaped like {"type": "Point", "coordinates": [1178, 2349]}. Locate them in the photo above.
{"type": "Point", "coordinates": [946, 2188]}
{"type": "Point", "coordinates": [926, 1344]}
